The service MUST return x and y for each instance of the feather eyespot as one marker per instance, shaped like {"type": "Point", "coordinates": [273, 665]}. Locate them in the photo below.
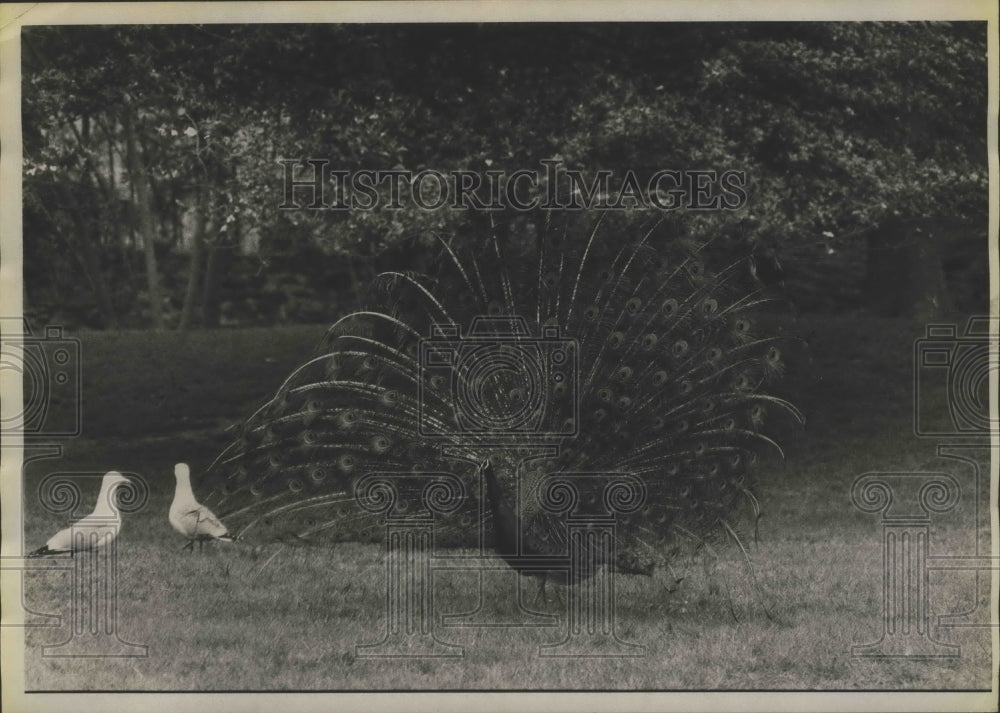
{"type": "Point", "coordinates": [348, 418]}
{"type": "Point", "coordinates": [624, 373]}
{"type": "Point", "coordinates": [381, 444]}
{"type": "Point", "coordinates": [616, 339]}
{"type": "Point", "coordinates": [669, 306]}
{"type": "Point", "coordinates": [660, 378]}
{"type": "Point", "coordinates": [605, 395]}
{"type": "Point", "coordinates": [680, 348]}
{"type": "Point", "coordinates": [591, 312]}
{"type": "Point", "coordinates": [633, 305]}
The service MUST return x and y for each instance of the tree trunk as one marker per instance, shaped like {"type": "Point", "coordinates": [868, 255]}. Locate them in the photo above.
{"type": "Point", "coordinates": [216, 261]}
{"type": "Point", "coordinates": [905, 273]}
{"type": "Point", "coordinates": [145, 216]}
{"type": "Point", "coordinates": [197, 257]}
{"type": "Point", "coordinates": [88, 251]}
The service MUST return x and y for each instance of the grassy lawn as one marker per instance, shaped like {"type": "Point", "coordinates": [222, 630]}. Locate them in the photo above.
{"type": "Point", "coordinates": [278, 618]}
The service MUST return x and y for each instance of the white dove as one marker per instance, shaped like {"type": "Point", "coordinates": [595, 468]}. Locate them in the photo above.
{"type": "Point", "coordinates": [191, 518]}
{"type": "Point", "coordinates": [97, 529]}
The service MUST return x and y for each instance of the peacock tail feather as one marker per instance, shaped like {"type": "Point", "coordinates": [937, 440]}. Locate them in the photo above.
{"type": "Point", "coordinates": [555, 347]}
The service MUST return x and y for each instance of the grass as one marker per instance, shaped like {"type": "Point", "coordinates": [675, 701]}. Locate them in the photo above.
{"type": "Point", "coordinates": [236, 618]}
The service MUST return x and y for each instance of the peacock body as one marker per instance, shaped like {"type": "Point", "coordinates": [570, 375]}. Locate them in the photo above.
{"type": "Point", "coordinates": [537, 354]}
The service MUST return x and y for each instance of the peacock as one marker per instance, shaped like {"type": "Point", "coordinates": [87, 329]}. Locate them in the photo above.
{"type": "Point", "coordinates": [539, 358]}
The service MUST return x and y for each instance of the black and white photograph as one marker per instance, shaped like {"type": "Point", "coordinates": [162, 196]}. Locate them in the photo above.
{"type": "Point", "coordinates": [542, 356]}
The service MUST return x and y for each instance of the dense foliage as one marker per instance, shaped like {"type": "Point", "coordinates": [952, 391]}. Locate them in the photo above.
{"type": "Point", "coordinates": [152, 181]}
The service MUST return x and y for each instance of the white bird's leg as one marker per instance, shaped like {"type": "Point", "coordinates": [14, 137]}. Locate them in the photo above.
{"type": "Point", "coordinates": [188, 546]}
{"type": "Point", "coordinates": [540, 592]}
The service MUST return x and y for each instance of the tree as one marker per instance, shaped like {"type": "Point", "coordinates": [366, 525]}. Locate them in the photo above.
{"type": "Point", "coordinates": [855, 136]}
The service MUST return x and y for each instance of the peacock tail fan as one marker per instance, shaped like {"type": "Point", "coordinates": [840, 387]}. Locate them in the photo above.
{"type": "Point", "coordinates": [555, 344]}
